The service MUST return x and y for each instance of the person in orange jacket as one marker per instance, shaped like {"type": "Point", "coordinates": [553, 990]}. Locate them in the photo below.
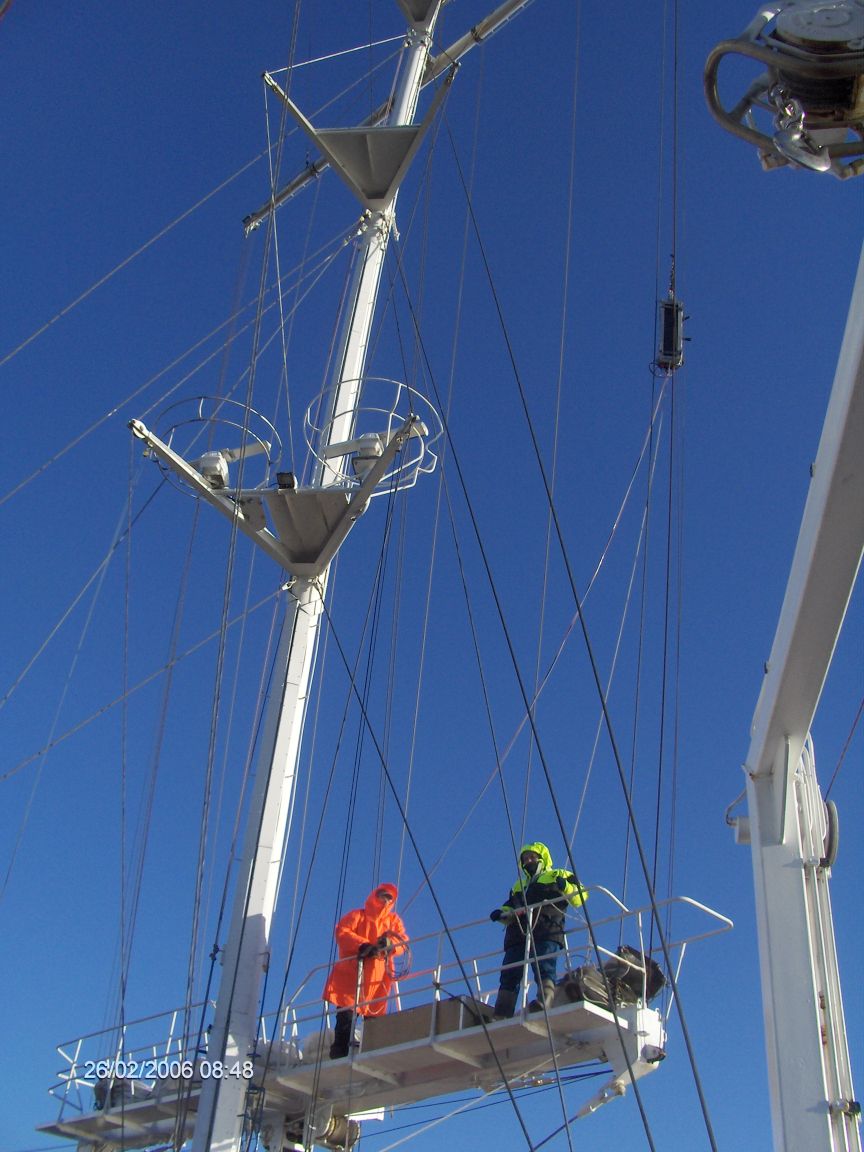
{"type": "Point", "coordinates": [367, 939]}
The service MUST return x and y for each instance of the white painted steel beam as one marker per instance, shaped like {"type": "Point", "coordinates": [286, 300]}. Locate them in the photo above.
{"type": "Point", "coordinates": [809, 1084]}
{"type": "Point", "coordinates": [221, 1119]}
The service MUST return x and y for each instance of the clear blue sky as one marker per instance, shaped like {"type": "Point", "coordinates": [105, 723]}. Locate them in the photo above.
{"type": "Point", "coordinates": [118, 118]}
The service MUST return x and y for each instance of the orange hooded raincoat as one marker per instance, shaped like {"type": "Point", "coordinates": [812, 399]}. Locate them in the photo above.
{"type": "Point", "coordinates": [364, 926]}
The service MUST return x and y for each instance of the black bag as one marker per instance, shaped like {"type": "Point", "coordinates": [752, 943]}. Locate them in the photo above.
{"type": "Point", "coordinates": [631, 973]}
{"type": "Point", "coordinates": [622, 976]}
{"type": "Point", "coordinates": [586, 984]}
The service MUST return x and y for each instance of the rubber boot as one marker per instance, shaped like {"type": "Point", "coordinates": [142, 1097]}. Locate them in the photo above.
{"type": "Point", "coordinates": [505, 1003]}
{"type": "Point", "coordinates": [342, 1033]}
{"type": "Point", "coordinates": [546, 994]}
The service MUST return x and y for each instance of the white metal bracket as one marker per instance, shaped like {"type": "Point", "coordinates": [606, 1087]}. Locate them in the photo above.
{"type": "Point", "coordinates": [371, 159]}
{"type": "Point", "coordinates": [310, 523]}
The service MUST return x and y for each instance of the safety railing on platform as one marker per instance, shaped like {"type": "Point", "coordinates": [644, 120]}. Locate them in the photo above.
{"type": "Point", "coordinates": [129, 1062]}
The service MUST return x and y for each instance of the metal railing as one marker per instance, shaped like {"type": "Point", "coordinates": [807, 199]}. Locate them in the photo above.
{"type": "Point", "coordinates": [297, 1032]}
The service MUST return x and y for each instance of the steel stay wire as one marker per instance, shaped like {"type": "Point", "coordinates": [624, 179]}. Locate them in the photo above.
{"type": "Point", "coordinates": [218, 679]}
{"type": "Point", "coordinates": [169, 227]}
{"type": "Point", "coordinates": [595, 674]}
{"type": "Point", "coordinates": [55, 628]}
{"type": "Point", "coordinates": [143, 832]}
{"type": "Point", "coordinates": [148, 679]}
{"type": "Point", "coordinates": [342, 240]}
{"type": "Point", "coordinates": [661, 737]}
{"type": "Point", "coordinates": [637, 554]}
{"type": "Point", "coordinates": [419, 857]}
{"type": "Point", "coordinates": [524, 694]}
{"type": "Point", "coordinates": [511, 743]}
{"type": "Point", "coordinates": [98, 575]}
{"type": "Point", "coordinates": [219, 671]}
{"type": "Point", "coordinates": [562, 341]}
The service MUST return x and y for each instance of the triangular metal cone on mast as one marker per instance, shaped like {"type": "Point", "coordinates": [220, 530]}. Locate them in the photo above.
{"type": "Point", "coordinates": [371, 159]}
{"type": "Point", "coordinates": [221, 1113]}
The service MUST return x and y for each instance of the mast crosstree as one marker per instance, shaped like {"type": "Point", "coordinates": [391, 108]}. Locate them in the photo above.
{"type": "Point", "coordinates": [222, 1110]}
{"type": "Point", "coordinates": [446, 1048]}
{"type": "Point", "coordinates": [301, 1098]}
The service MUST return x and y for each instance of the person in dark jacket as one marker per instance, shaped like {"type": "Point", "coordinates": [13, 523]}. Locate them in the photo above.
{"type": "Point", "coordinates": [534, 917]}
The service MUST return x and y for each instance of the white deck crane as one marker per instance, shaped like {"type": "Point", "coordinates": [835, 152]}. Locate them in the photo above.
{"type": "Point", "coordinates": [813, 93]}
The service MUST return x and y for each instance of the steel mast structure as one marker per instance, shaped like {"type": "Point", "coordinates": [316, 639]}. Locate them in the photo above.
{"type": "Point", "coordinates": [372, 160]}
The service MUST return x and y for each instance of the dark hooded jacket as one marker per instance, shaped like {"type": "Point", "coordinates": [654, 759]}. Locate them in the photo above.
{"type": "Point", "coordinates": [541, 898]}
{"type": "Point", "coordinates": [366, 925]}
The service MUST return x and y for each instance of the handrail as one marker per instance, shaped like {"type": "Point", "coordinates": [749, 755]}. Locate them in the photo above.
{"type": "Point", "coordinates": [442, 975]}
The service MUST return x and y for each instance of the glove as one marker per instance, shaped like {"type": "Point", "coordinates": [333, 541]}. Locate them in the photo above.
{"type": "Point", "coordinates": [495, 914]}
{"type": "Point", "coordinates": [560, 883]}
{"type": "Point", "coordinates": [366, 950]}
{"type": "Point", "coordinates": [383, 945]}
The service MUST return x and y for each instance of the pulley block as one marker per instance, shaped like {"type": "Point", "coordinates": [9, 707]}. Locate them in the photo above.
{"type": "Point", "coordinates": [807, 108]}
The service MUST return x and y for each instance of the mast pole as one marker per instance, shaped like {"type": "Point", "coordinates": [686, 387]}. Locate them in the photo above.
{"type": "Point", "coordinates": [221, 1114]}
{"type": "Point", "coordinates": [435, 67]}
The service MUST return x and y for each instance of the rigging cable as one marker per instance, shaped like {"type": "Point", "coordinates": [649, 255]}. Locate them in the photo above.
{"type": "Point", "coordinates": [673, 520]}
{"type": "Point", "coordinates": [341, 239]}
{"type": "Point", "coordinates": [137, 687]}
{"type": "Point", "coordinates": [664, 676]}
{"type": "Point", "coordinates": [255, 353]}
{"type": "Point", "coordinates": [592, 660]}
{"type": "Point", "coordinates": [143, 830]}
{"type": "Point", "coordinates": [419, 857]}
{"type": "Point", "coordinates": [128, 259]}
{"type": "Point", "coordinates": [562, 342]}
{"type": "Point", "coordinates": [52, 741]}
{"type": "Point", "coordinates": [97, 574]}
{"type": "Point", "coordinates": [842, 756]}
{"type": "Point", "coordinates": [124, 746]}
{"type": "Point", "coordinates": [511, 743]}
{"type": "Point", "coordinates": [637, 555]}
{"type": "Point", "coordinates": [413, 372]}
{"type": "Point", "coordinates": [268, 667]}
{"type": "Point", "coordinates": [272, 231]}
{"type": "Point", "coordinates": [165, 230]}
{"type": "Point", "coordinates": [226, 739]}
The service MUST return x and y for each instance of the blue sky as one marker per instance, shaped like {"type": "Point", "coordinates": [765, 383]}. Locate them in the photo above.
{"type": "Point", "coordinates": [118, 119]}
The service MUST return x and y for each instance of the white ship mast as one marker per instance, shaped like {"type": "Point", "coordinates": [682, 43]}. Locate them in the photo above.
{"type": "Point", "coordinates": [221, 1111]}
{"type": "Point", "coordinates": [813, 1105]}
{"type": "Point", "coordinates": [372, 161]}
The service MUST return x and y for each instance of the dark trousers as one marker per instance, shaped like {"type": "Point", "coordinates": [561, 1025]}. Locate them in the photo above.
{"type": "Point", "coordinates": [543, 964]}
{"type": "Point", "coordinates": [343, 1033]}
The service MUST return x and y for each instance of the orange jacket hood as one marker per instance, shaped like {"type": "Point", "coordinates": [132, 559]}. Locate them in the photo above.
{"type": "Point", "coordinates": [374, 905]}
